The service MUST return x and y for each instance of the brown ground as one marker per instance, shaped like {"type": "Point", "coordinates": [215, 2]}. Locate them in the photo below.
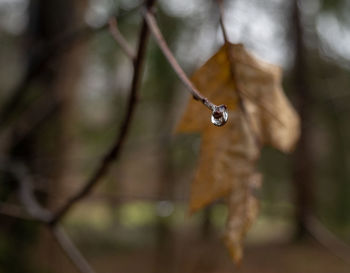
{"type": "Point", "coordinates": [199, 256]}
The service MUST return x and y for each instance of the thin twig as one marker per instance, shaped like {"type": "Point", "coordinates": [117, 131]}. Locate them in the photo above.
{"type": "Point", "coordinates": [26, 194]}
{"type": "Point", "coordinates": [25, 191]}
{"type": "Point", "coordinates": [152, 23]}
{"type": "Point", "coordinates": [31, 119]}
{"type": "Point", "coordinates": [37, 213]}
{"type": "Point", "coordinates": [114, 152]}
{"type": "Point", "coordinates": [41, 55]}
{"type": "Point", "coordinates": [119, 38]}
{"type": "Point", "coordinates": [327, 239]}
{"type": "Point", "coordinates": [14, 211]}
{"type": "Point", "coordinates": [58, 233]}
{"type": "Point", "coordinates": [239, 92]}
{"type": "Point", "coordinates": [221, 19]}
{"type": "Point", "coordinates": [68, 246]}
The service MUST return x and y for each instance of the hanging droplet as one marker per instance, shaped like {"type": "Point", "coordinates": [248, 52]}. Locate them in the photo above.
{"type": "Point", "coordinates": [220, 115]}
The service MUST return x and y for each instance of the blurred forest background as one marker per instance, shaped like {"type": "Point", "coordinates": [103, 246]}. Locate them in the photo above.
{"type": "Point", "coordinates": [64, 85]}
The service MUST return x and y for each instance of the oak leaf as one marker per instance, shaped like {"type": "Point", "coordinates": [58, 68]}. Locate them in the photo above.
{"type": "Point", "coordinates": [259, 114]}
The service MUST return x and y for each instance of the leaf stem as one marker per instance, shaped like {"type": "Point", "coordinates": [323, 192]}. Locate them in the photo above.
{"type": "Point", "coordinates": [221, 19]}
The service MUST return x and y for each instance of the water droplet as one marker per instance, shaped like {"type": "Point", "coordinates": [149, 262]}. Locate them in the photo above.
{"type": "Point", "coordinates": [220, 115]}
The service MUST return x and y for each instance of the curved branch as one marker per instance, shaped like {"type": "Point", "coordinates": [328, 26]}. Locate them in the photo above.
{"type": "Point", "coordinates": [327, 239]}
{"type": "Point", "coordinates": [70, 249]}
{"type": "Point", "coordinates": [152, 23]}
{"type": "Point", "coordinates": [114, 152]}
{"type": "Point", "coordinates": [221, 19]}
{"type": "Point", "coordinates": [119, 38]}
{"type": "Point", "coordinates": [25, 190]}
{"type": "Point", "coordinates": [36, 212]}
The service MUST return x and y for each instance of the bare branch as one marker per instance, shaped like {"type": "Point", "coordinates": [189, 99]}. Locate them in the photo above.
{"type": "Point", "coordinates": [27, 197]}
{"type": "Point", "coordinates": [26, 194]}
{"type": "Point", "coordinates": [40, 57]}
{"type": "Point", "coordinates": [14, 211]}
{"type": "Point", "coordinates": [328, 239]}
{"type": "Point", "coordinates": [114, 152]}
{"type": "Point", "coordinates": [42, 53]}
{"type": "Point", "coordinates": [29, 121]}
{"type": "Point", "coordinates": [119, 38]}
{"type": "Point", "coordinates": [152, 23]}
{"type": "Point", "coordinates": [70, 249]}
{"type": "Point", "coordinates": [37, 212]}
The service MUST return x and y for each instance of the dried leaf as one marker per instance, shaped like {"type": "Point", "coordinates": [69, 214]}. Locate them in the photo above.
{"type": "Point", "coordinates": [259, 113]}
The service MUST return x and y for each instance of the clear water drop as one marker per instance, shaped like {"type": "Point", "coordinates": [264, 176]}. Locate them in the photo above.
{"type": "Point", "coordinates": [219, 116]}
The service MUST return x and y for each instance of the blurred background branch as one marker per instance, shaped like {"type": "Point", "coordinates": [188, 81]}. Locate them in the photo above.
{"type": "Point", "coordinates": [36, 212]}
{"type": "Point", "coordinates": [113, 153]}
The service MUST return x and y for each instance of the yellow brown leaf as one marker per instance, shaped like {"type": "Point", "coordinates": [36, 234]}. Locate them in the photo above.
{"type": "Point", "coordinates": [259, 113]}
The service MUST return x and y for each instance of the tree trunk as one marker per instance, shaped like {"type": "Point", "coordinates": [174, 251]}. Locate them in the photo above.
{"type": "Point", "coordinates": [303, 179]}
{"type": "Point", "coordinates": [45, 150]}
